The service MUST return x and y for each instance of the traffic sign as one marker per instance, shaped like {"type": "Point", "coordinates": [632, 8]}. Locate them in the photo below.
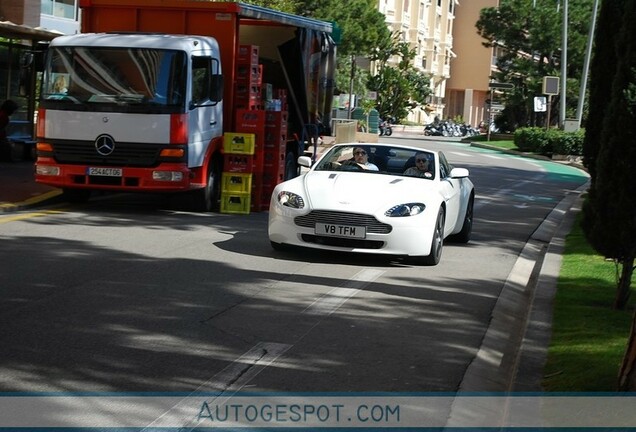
{"type": "Point", "coordinates": [501, 86]}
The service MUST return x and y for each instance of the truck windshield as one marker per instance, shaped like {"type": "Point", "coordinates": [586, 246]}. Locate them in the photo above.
{"type": "Point", "coordinates": [115, 79]}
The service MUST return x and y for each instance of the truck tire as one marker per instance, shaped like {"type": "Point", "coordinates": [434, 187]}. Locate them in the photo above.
{"type": "Point", "coordinates": [207, 198]}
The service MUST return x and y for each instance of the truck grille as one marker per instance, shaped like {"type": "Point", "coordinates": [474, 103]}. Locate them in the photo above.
{"type": "Point", "coordinates": [343, 218]}
{"type": "Point", "coordinates": [125, 154]}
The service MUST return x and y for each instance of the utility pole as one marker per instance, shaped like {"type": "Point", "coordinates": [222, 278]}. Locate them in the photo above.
{"type": "Point", "coordinates": [564, 63]}
{"type": "Point", "coordinates": [353, 75]}
{"type": "Point", "coordinates": [586, 66]}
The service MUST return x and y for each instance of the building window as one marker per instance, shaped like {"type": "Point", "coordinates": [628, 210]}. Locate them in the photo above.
{"type": "Point", "coordinates": [59, 8]}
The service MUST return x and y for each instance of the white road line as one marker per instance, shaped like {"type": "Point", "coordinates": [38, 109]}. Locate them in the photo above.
{"type": "Point", "coordinates": [241, 371]}
{"type": "Point", "coordinates": [335, 298]}
{"type": "Point", "coordinates": [506, 191]}
{"type": "Point", "coordinates": [461, 154]}
{"type": "Point", "coordinates": [226, 383]}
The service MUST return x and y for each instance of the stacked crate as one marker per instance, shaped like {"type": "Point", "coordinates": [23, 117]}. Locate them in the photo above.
{"type": "Point", "coordinates": [247, 86]}
{"type": "Point", "coordinates": [269, 128]}
{"type": "Point", "coordinates": [236, 180]}
{"type": "Point", "coordinates": [253, 122]}
{"type": "Point", "coordinates": [275, 152]}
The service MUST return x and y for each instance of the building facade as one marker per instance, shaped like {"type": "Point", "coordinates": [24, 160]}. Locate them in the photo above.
{"type": "Point", "coordinates": [467, 89]}
{"type": "Point", "coordinates": [448, 48]}
{"type": "Point", "coordinates": [427, 26]}
{"type": "Point", "coordinates": [24, 24]}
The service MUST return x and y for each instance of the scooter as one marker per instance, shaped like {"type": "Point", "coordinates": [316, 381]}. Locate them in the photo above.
{"type": "Point", "coordinates": [385, 128]}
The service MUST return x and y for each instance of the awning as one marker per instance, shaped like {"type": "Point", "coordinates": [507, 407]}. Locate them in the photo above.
{"type": "Point", "coordinates": [11, 30]}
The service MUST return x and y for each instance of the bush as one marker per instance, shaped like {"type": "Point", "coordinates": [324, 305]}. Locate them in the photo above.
{"type": "Point", "coordinates": [549, 142]}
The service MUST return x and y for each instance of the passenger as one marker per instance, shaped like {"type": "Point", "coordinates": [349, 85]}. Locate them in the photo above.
{"type": "Point", "coordinates": [59, 86]}
{"type": "Point", "coordinates": [361, 157]}
{"type": "Point", "coordinates": [421, 168]}
{"type": "Point", "coordinates": [7, 109]}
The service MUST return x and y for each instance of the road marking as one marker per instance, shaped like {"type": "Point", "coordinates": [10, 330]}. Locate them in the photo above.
{"type": "Point", "coordinates": [225, 383]}
{"type": "Point", "coordinates": [484, 201]}
{"type": "Point", "coordinates": [335, 298]}
{"type": "Point", "coordinates": [461, 154]}
{"type": "Point", "coordinates": [31, 215]}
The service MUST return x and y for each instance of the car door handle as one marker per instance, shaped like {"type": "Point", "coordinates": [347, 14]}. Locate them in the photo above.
{"type": "Point", "coordinates": [213, 123]}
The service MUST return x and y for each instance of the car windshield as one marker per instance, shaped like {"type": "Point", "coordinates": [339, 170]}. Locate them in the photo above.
{"type": "Point", "coordinates": [377, 159]}
{"type": "Point", "coordinates": [115, 79]}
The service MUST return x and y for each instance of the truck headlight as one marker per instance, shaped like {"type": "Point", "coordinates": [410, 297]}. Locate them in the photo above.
{"type": "Point", "coordinates": [174, 176]}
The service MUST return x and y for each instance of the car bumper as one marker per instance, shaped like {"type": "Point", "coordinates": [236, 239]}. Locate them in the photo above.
{"type": "Point", "coordinates": [411, 236]}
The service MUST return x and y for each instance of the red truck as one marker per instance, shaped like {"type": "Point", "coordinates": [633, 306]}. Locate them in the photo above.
{"type": "Point", "coordinates": [141, 100]}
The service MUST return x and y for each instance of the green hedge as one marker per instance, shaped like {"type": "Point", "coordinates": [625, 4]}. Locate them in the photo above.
{"type": "Point", "coordinates": [550, 141]}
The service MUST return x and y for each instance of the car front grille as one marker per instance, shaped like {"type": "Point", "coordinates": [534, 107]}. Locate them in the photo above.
{"type": "Point", "coordinates": [373, 226]}
{"type": "Point", "coordinates": [125, 154]}
{"type": "Point", "coordinates": [342, 242]}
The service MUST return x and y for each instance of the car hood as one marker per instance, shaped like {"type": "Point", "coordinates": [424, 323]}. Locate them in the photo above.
{"type": "Point", "coordinates": [364, 192]}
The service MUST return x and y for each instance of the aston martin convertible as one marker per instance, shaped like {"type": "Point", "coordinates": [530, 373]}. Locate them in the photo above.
{"type": "Point", "coordinates": [374, 199]}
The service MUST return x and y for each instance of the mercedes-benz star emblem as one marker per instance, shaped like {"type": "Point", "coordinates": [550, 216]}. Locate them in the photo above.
{"type": "Point", "coordinates": [105, 145]}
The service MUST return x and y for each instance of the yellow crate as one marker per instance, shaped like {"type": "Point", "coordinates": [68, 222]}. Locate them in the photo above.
{"type": "Point", "coordinates": [235, 203]}
{"type": "Point", "coordinates": [236, 183]}
{"type": "Point", "coordinates": [239, 143]}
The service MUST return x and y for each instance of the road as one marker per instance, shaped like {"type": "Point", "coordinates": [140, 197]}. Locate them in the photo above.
{"type": "Point", "coordinates": [132, 293]}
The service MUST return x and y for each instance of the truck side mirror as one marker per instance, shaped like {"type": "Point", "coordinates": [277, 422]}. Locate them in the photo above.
{"type": "Point", "coordinates": [216, 88]}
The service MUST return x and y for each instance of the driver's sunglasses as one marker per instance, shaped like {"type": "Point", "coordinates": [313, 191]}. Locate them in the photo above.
{"type": "Point", "coordinates": [360, 152]}
{"type": "Point", "coordinates": [421, 160]}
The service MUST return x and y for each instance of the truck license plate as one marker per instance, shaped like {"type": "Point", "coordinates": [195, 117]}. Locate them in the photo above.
{"type": "Point", "coordinates": [104, 172]}
{"type": "Point", "coordinates": [334, 230]}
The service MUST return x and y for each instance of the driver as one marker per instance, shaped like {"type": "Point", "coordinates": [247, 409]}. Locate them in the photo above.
{"type": "Point", "coordinates": [361, 157]}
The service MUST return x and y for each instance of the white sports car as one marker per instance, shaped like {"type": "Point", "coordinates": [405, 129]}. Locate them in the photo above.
{"type": "Point", "coordinates": [374, 198]}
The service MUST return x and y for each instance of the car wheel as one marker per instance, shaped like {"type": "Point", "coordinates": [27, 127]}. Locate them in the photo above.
{"type": "Point", "coordinates": [467, 228]}
{"type": "Point", "coordinates": [437, 244]}
{"type": "Point", "coordinates": [76, 195]}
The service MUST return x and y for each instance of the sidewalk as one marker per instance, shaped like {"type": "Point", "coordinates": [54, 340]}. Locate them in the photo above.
{"type": "Point", "coordinates": [19, 189]}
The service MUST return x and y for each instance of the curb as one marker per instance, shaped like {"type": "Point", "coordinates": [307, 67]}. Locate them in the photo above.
{"type": "Point", "coordinates": [31, 202]}
{"type": "Point", "coordinates": [514, 349]}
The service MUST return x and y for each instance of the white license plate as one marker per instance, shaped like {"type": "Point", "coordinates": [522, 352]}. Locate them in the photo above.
{"type": "Point", "coordinates": [104, 172]}
{"type": "Point", "coordinates": [335, 230]}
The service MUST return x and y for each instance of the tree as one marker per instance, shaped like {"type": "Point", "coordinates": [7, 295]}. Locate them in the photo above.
{"type": "Point", "coordinates": [399, 88]}
{"type": "Point", "coordinates": [602, 68]}
{"type": "Point", "coordinates": [529, 34]}
{"type": "Point", "coordinates": [609, 214]}
{"type": "Point", "coordinates": [363, 26]}
{"type": "Point", "coordinates": [290, 6]}
{"type": "Point", "coordinates": [620, 157]}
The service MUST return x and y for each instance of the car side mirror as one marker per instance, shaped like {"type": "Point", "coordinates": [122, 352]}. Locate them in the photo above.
{"type": "Point", "coordinates": [459, 173]}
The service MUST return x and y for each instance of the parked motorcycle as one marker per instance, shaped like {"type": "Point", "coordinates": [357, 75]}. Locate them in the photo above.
{"type": "Point", "coordinates": [385, 128]}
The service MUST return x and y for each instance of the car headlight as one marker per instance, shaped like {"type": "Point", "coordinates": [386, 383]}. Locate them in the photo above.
{"type": "Point", "coordinates": [290, 199]}
{"type": "Point", "coordinates": [410, 209]}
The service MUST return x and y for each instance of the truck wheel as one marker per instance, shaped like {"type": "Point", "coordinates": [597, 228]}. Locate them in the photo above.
{"type": "Point", "coordinates": [76, 195]}
{"type": "Point", "coordinates": [207, 199]}
{"type": "Point", "coordinates": [291, 170]}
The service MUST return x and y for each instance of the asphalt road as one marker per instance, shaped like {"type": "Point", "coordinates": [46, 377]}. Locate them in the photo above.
{"type": "Point", "coordinates": [132, 293]}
